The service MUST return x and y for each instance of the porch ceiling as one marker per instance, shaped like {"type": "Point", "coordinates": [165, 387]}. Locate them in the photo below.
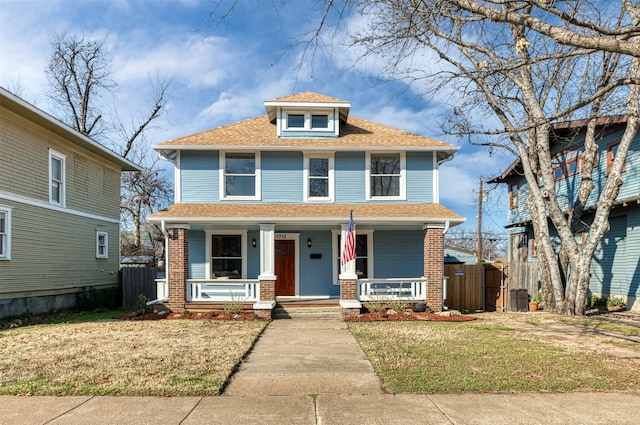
{"type": "Point", "coordinates": [402, 214]}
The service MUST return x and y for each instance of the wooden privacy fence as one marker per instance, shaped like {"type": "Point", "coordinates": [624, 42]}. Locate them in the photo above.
{"type": "Point", "coordinates": [488, 287]}
{"type": "Point", "coordinates": [476, 287]}
{"type": "Point", "coordinates": [136, 281]}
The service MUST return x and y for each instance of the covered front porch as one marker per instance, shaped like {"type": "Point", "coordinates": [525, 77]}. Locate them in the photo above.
{"type": "Point", "coordinates": [293, 259]}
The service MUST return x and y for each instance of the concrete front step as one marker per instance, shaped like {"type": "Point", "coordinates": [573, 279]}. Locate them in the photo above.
{"type": "Point", "coordinates": [325, 312]}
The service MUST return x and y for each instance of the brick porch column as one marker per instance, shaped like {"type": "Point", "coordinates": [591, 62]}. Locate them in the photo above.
{"type": "Point", "coordinates": [178, 265]}
{"type": "Point", "coordinates": [433, 264]}
{"type": "Point", "coordinates": [348, 282]}
{"type": "Point", "coordinates": [264, 307]}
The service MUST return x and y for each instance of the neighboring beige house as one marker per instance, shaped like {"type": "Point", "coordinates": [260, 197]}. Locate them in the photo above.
{"type": "Point", "coordinates": [59, 211]}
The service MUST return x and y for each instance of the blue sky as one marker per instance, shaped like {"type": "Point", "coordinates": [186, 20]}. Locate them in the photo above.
{"type": "Point", "coordinates": [222, 74]}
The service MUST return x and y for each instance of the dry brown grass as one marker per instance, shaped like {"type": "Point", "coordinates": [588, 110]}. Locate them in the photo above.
{"type": "Point", "coordinates": [168, 357]}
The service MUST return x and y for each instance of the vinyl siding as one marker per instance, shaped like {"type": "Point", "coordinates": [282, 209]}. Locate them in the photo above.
{"type": "Point", "coordinates": [350, 177]}
{"type": "Point", "coordinates": [53, 250]}
{"type": "Point", "coordinates": [316, 275]}
{"type": "Point", "coordinates": [199, 176]}
{"type": "Point", "coordinates": [420, 177]}
{"type": "Point", "coordinates": [92, 184]}
{"type": "Point", "coordinates": [282, 177]}
{"type": "Point", "coordinates": [197, 255]}
{"type": "Point", "coordinates": [609, 272]}
{"type": "Point", "coordinates": [253, 255]}
{"type": "Point", "coordinates": [398, 253]}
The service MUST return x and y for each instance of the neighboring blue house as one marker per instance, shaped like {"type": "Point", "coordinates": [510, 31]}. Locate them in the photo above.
{"type": "Point", "coordinates": [454, 255]}
{"type": "Point", "coordinates": [263, 204]}
{"type": "Point", "coordinates": [615, 269]}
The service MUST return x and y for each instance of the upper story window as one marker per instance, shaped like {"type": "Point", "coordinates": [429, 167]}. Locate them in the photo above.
{"type": "Point", "coordinates": [295, 120]}
{"type": "Point", "coordinates": [318, 176]}
{"type": "Point", "coordinates": [241, 175]}
{"type": "Point", "coordinates": [309, 121]}
{"type": "Point", "coordinates": [514, 194]}
{"type": "Point", "coordinates": [57, 178]}
{"type": "Point", "coordinates": [102, 244]}
{"type": "Point", "coordinates": [612, 151]}
{"type": "Point", "coordinates": [558, 172]}
{"type": "Point", "coordinates": [572, 166]}
{"type": "Point", "coordinates": [5, 233]}
{"type": "Point", "coordinates": [386, 175]}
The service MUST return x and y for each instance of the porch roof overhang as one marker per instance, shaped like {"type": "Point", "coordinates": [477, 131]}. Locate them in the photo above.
{"type": "Point", "coordinates": [305, 214]}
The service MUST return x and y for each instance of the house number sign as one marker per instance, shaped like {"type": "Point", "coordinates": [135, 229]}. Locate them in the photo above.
{"type": "Point", "coordinates": [281, 236]}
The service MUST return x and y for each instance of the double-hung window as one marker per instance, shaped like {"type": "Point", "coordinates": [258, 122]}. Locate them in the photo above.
{"type": "Point", "coordinates": [612, 151]}
{"type": "Point", "coordinates": [57, 181]}
{"type": "Point", "coordinates": [364, 254]}
{"type": "Point", "coordinates": [5, 233]}
{"type": "Point", "coordinates": [241, 175]}
{"type": "Point", "coordinates": [386, 175]}
{"type": "Point", "coordinates": [102, 244]}
{"type": "Point", "coordinates": [318, 176]}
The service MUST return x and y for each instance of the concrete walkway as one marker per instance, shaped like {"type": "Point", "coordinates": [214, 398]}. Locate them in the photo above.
{"type": "Point", "coordinates": [305, 357]}
{"type": "Point", "coordinates": [312, 371]}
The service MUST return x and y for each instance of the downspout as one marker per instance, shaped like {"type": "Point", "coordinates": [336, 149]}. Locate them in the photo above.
{"type": "Point", "coordinates": [163, 228]}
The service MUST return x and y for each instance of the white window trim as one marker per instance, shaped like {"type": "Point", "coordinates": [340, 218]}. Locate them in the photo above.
{"type": "Point", "coordinates": [403, 177]}
{"type": "Point", "coordinates": [307, 119]}
{"type": "Point", "coordinates": [106, 244]}
{"type": "Point", "coordinates": [7, 240]}
{"type": "Point", "coordinates": [223, 186]}
{"type": "Point", "coordinates": [243, 249]}
{"type": "Point", "coordinates": [63, 191]}
{"type": "Point", "coordinates": [312, 155]}
{"type": "Point", "coordinates": [335, 254]}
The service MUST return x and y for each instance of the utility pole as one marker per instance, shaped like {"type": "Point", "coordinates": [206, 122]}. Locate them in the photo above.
{"type": "Point", "coordinates": [479, 248]}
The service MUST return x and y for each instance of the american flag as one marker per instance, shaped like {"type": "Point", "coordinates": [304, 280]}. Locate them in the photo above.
{"type": "Point", "coordinates": [349, 250]}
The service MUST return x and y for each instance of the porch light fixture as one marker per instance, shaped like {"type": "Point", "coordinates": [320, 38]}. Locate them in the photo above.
{"type": "Point", "coordinates": [309, 242]}
{"type": "Point", "coordinates": [254, 243]}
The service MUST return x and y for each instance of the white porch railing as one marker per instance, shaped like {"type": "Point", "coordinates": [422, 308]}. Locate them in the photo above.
{"type": "Point", "coordinates": [223, 290]}
{"type": "Point", "coordinates": [409, 289]}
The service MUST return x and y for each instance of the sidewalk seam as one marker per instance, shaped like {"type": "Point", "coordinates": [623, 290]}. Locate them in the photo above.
{"type": "Point", "coordinates": [191, 411]}
{"type": "Point", "coordinates": [440, 410]}
{"type": "Point", "coordinates": [70, 410]}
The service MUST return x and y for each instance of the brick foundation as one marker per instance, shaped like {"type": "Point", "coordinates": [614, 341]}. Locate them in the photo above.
{"type": "Point", "coordinates": [178, 267]}
{"type": "Point", "coordinates": [433, 266]}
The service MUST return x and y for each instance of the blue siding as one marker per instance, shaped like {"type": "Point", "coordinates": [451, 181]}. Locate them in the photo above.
{"type": "Point", "coordinates": [398, 253]}
{"type": "Point", "coordinates": [199, 178]}
{"type": "Point", "coordinates": [307, 134]}
{"type": "Point", "coordinates": [316, 275]}
{"type": "Point", "coordinates": [253, 255]}
{"type": "Point", "coordinates": [282, 177]}
{"type": "Point", "coordinates": [197, 253]}
{"type": "Point", "coordinates": [419, 176]}
{"type": "Point", "coordinates": [609, 273]}
{"type": "Point", "coordinates": [566, 188]}
{"type": "Point", "coordinates": [349, 177]}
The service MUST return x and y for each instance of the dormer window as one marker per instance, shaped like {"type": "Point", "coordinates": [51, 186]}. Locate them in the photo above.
{"type": "Point", "coordinates": [319, 121]}
{"type": "Point", "coordinates": [295, 120]}
{"type": "Point", "coordinates": [309, 121]}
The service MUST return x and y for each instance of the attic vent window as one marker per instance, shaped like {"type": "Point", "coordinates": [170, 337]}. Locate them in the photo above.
{"type": "Point", "coordinates": [319, 121]}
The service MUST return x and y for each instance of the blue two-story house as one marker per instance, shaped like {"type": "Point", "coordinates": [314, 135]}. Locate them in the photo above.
{"type": "Point", "coordinates": [615, 269]}
{"type": "Point", "coordinates": [262, 207]}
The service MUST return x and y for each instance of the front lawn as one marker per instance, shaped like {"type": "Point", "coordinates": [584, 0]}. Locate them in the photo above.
{"type": "Point", "coordinates": [436, 357]}
{"type": "Point", "coordinates": [164, 358]}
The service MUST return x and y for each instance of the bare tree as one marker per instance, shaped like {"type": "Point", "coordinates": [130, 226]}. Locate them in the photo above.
{"type": "Point", "coordinates": [80, 76]}
{"type": "Point", "coordinates": [510, 69]}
